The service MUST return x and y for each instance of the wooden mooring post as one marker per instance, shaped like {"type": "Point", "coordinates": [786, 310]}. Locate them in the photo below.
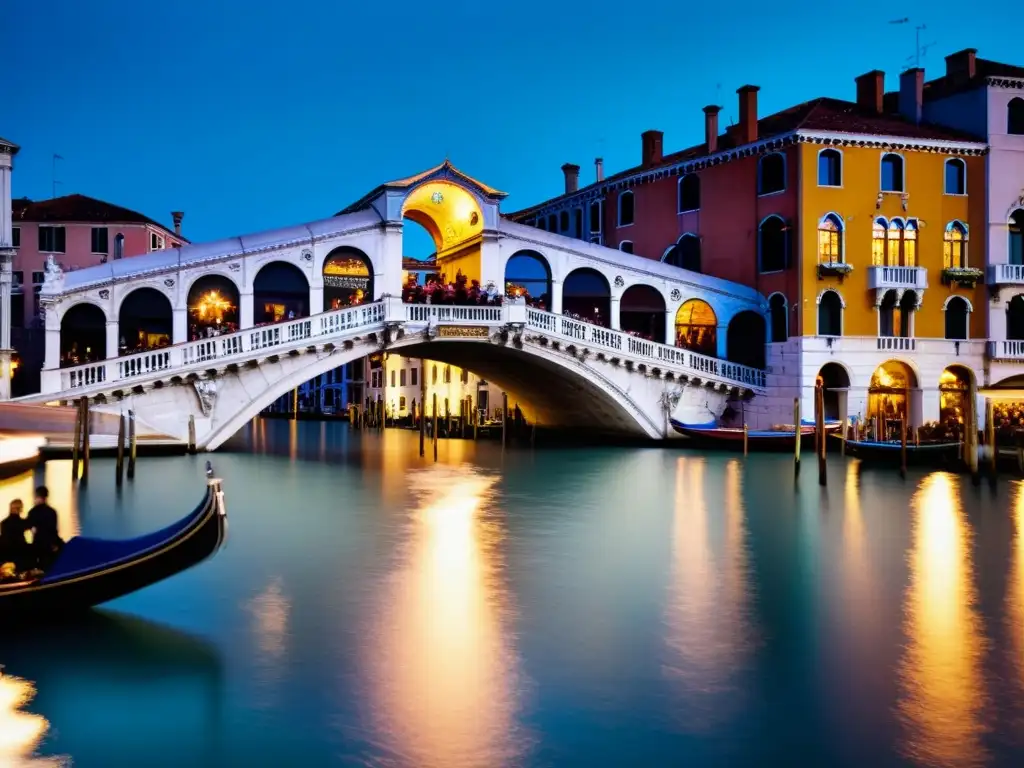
{"type": "Point", "coordinates": [745, 446]}
{"type": "Point", "coordinates": [797, 435]}
{"type": "Point", "coordinates": [119, 464]}
{"type": "Point", "coordinates": [819, 430]}
{"type": "Point", "coordinates": [85, 439]}
{"type": "Point", "coordinates": [131, 445]}
{"type": "Point", "coordinates": [504, 418]}
{"type": "Point", "coordinates": [903, 447]}
{"type": "Point", "coordinates": [191, 433]}
{"type": "Point", "coordinates": [993, 457]}
{"type": "Point", "coordinates": [77, 444]}
{"type": "Point", "coordinates": [433, 425]}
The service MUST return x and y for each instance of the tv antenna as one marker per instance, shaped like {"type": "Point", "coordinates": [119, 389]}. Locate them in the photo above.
{"type": "Point", "coordinates": [919, 49]}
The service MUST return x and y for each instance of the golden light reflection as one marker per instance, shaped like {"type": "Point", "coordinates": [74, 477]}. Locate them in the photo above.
{"type": "Point", "coordinates": [707, 615]}
{"type": "Point", "coordinates": [1015, 587]}
{"type": "Point", "coordinates": [63, 497]}
{"type": "Point", "coordinates": [21, 732]}
{"type": "Point", "coordinates": [941, 688]}
{"type": "Point", "coordinates": [270, 611]}
{"type": "Point", "coordinates": [443, 679]}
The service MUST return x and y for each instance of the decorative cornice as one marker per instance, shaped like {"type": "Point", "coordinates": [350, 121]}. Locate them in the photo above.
{"type": "Point", "coordinates": [969, 148]}
{"type": "Point", "coordinates": [1016, 83]}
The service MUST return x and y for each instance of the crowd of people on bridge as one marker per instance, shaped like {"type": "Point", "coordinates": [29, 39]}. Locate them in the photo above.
{"type": "Point", "coordinates": [462, 293]}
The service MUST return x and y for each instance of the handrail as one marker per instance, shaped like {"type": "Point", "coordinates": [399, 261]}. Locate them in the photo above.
{"type": "Point", "coordinates": [290, 334]}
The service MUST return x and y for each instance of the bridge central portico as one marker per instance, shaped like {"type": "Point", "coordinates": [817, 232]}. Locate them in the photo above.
{"type": "Point", "coordinates": [227, 327]}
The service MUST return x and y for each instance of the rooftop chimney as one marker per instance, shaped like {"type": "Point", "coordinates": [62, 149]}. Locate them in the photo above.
{"type": "Point", "coordinates": [572, 177]}
{"type": "Point", "coordinates": [176, 217]}
{"type": "Point", "coordinates": [748, 113]}
{"type": "Point", "coordinates": [711, 127]}
{"type": "Point", "coordinates": [912, 94]}
{"type": "Point", "coordinates": [599, 168]}
{"type": "Point", "coordinates": [870, 90]}
{"type": "Point", "coordinates": [651, 142]}
{"type": "Point", "coordinates": [962, 65]}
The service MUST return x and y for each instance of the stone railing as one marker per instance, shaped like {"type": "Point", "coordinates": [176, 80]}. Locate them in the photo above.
{"type": "Point", "coordinates": [284, 337]}
{"type": "Point", "coordinates": [897, 277]}
{"type": "Point", "coordinates": [1009, 349]}
{"type": "Point", "coordinates": [1006, 274]}
{"type": "Point", "coordinates": [651, 353]}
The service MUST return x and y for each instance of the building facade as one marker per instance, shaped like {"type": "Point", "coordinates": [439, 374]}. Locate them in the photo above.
{"type": "Point", "coordinates": [868, 224]}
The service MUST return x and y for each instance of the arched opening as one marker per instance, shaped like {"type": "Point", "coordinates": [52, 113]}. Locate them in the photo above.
{"type": "Point", "coordinates": [892, 173]}
{"type": "Point", "coordinates": [146, 321]}
{"type": "Point", "coordinates": [1016, 253]}
{"type": "Point", "coordinates": [642, 313]}
{"type": "Point", "coordinates": [1015, 319]}
{"type": "Point", "coordinates": [954, 399]}
{"type": "Point", "coordinates": [586, 295]}
{"type": "Point", "coordinates": [954, 246]}
{"type": "Point", "coordinates": [119, 246]}
{"type": "Point", "coordinates": [745, 339]}
{"type": "Point", "coordinates": [956, 176]}
{"type": "Point", "coordinates": [780, 317]}
{"type": "Point", "coordinates": [685, 254]}
{"type": "Point", "coordinates": [895, 314]}
{"type": "Point", "coordinates": [830, 240]}
{"type": "Point", "coordinates": [212, 307]}
{"type": "Point", "coordinates": [773, 244]}
{"type": "Point", "coordinates": [527, 274]}
{"type": "Point", "coordinates": [830, 314]}
{"type": "Point", "coordinates": [689, 193]}
{"type": "Point", "coordinates": [279, 292]}
{"type": "Point", "coordinates": [830, 168]}
{"type": "Point", "coordinates": [771, 174]}
{"type": "Point", "coordinates": [1015, 117]}
{"type": "Point", "coordinates": [626, 208]}
{"type": "Point", "coordinates": [83, 335]}
{"type": "Point", "coordinates": [889, 398]}
{"type": "Point", "coordinates": [697, 327]}
{"type": "Point", "coordinates": [348, 278]}
{"type": "Point", "coordinates": [957, 314]}
{"type": "Point", "coordinates": [834, 381]}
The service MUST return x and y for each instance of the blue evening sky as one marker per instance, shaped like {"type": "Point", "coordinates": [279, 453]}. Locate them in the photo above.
{"type": "Point", "coordinates": [249, 114]}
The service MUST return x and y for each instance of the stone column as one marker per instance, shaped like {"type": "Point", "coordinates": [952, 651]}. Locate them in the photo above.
{"type": "Point", "coordinates": [723, 342]}
{"type": "Point", "coordinates": [7, 253]}
{"type": "Point", "coordinates": [113, 339]}
{"type": "Point", "coordinates": [245, 311]}
{"type": "Point", "coordinates": [179, 329]}
{"type": "Point", "coordinates": [556, 297]}
{"type": "Point", "coordinates": [387, 278]}
{"type": "Point", "coordinates": [615, 321]}
{"type": "Point", "coordinates": [670, 327]}
{"type": "Point", "coordinates": [316, 299]}
{"type": "Point", "coordinates": [492, 270]}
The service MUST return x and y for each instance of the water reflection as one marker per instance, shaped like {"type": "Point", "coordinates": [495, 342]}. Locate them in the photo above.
{"type": "Point", "coordinates": [443, 680]}
{"type": "Point", "coordinates": [941, 688]}
{"type": "Point", "coordinates": [270, 611]}
{"type": "Point", "coordinates": [20, 732]}
{"type": "Point", "coordinates": [708, 612]}
{"type": "Point", "coordinates": [1015, 588]}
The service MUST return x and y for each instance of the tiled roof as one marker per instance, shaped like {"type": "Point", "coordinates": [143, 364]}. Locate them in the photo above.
{"type": "Point", "coordinates": [823, 114]}
{"type": "Point", "coordinates": [5, 143]}
{"type": "Point", "coordinates": [947, 85]}
{"type": "Point", "coordinates": [444, 170]}
{"type": "Point", "coordinates": [80, 208]}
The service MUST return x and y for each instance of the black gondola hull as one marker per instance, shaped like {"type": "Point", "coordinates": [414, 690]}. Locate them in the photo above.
{"type": "Point", "coordinates": [925, 454]}
{"type": "Point", "coordinates": [199, 539]}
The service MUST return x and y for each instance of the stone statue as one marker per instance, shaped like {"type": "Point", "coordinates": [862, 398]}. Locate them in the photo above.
{"type": "Point", "coordinates": [207, 392]}
{"type": "Point", "coordinates": [53, 275]}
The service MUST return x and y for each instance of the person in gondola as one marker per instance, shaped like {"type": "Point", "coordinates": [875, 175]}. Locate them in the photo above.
{"type": "Point", "coordinates": [13, 547]}
{"type": "Point", "coordinates": [42, 521]}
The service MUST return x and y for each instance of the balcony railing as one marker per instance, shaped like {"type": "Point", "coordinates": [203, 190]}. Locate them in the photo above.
{"type": "Point", "coordinates": [1006, 350]}
{"type": "Point", "coordinates": [1006, 274]}
{"type": "Point", "coordinates": [897, 277]}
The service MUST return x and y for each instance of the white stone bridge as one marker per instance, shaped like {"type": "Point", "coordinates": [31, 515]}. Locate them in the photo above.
{"type": "Point", "coordinates": [562, 370]}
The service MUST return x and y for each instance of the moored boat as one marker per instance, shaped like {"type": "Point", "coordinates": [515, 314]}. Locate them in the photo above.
{"type": "Point", "coordinates": [930, 454]}
{"type": "Point", "coordinates": [89, 571]}
{"type": "Point", "coordinates": [710, 435]}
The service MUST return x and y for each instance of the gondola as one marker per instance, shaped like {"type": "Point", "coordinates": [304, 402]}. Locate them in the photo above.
{"type": "Point", "coordinates": [931, 454]}
{"type": "Point", "coordinates": [88, 571]}
{"type": "Point", "coordinates": [710, 435]}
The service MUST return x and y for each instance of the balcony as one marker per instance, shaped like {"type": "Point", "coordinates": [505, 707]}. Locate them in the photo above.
{"type": "Point", "coordinates": [1006, 274]}
{"type": "Point", "coordinates": [899, 278]}
{"type": "Point", "coordinates": [1006, 350]}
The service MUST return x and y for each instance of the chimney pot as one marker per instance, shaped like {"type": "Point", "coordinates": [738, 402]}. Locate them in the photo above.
{"type": "Point", "coordinates": [572, 177]}
{"type": "Point", "coordinates": [599, 168]}
{"type": "Point", "coordinates": [711, 127]}
{"type": "Point", "coordinates": [962, 65]}
{"type": "Point", "coordinates": [912, 94]}
{"type": "Point", "coordinates": [177, 216]}
{"type": "Point", "coordinates": [871, 90]}
{"type": "Point", "coordinates": [651, 146]}
{"type": "Point", "coordinates": [748, 113]}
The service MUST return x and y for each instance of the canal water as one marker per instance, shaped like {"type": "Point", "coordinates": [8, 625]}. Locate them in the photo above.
{"type": "Point", "coordinates": [604, 607]}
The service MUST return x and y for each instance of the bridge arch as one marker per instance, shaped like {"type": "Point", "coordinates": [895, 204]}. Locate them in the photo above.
{"type": "Point", "coordinates": [745, 339]}
{"type": "Point", "coordinates": [642, 311]}
{"type": "Point", "coordinates": [83, 334]}
{"type": "Point", "coordinates": [145, 320]}
{"type": "Point", "coordinates": [528, 273]}
{"type": "Point", "coordinates": [347, 274]}
{"type": "Point", "coordinates": [280, 291]}
{"type": "Point", "coordinates": [211, 303]}
{"type": "Point", "coordinates": [587, 293]}
{"type": "Point", "coordinates": [697, 327]}
{"type": "Point", "coordinates": [537, 375]}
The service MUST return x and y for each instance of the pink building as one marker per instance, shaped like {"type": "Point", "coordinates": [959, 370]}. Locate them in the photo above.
{"type": "Point", "coordinates": [78, 231]}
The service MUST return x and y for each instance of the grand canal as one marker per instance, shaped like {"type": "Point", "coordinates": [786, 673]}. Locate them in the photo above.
{"type": "Point", "coordinates": [605, 607]}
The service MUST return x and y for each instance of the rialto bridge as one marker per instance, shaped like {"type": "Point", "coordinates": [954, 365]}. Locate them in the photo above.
{"type": "Point", "coordinates": [579, 335]}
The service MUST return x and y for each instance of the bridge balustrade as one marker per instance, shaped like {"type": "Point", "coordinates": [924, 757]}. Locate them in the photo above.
{"type": "Point", "coordinates": [237, 347]}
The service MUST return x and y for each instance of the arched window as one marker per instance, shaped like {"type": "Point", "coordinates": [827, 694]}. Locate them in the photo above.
{"type": "Point", "coordinates": [830, 314]}
{"type": "Point", "coordinates": [685, 254]}
{"type": "Point", "coordinates": [212, 307]}
{"type": "Point", "coordinates": [1015, 319]}
{"type": "Point", "coordinates": [348, 278]}
{"type": "Point", "coordinates": [771, 174]}
{"type": "Point", "coordinates": [642, 312]}
{"type": "Point", "coordinates": [528, 275]}
{"type": "Point", "coordinates": [83, 335]}
{"type": "Point", "coordinates": [119, 246]}
{"type": "Point", "coordinates": [910, 244]}
{"type": "Point", "coordinates": [878, 232]}
{"type": "Point", "coordinates": [830, 168]}
{"type": "Point", "coordinates": [625, 208]}
{"type": "Point", "coordinates": [552, 223]}
{"type": "Point", "coordinates": [830, 240]}
{"type": "Point", "coordinates": [1015, 117]}
{"type": "Point", "coordinates": [145, 321]}
{"type": "Point", "coordinates": [595, 216]}
{"type": "Point", "coordinates": [957, 312]}
{"type": "Point", "coordinates": [697, 327]}
{"type": "Point", "coordinates": [954, 246]}
{"type": "Point", "coordinates": [280, 291]}
{"type": "Point", "coordinates": [563, 221]}
{"type": "Point", "coordinates": [895, 313]}
{"type": "Point", "coordinates": [892, 173]}
{"type": "Point", "coordinates": [542, 223]}
{"type": "Point", "coordinates": [956, 177]}
{"type": "Point", "coordinates": [1016, 253]}
{"type": "Point", "coordinates": [626, 246]}
{"type": "Point", "coordinates": [780, 318]}
{"type": "Point", "coordinates": [773, 244]}
{"type": "Point", "coordinates": [901, 244]}
{"type": "Point", "coordinates": [586, 294]}
{"type": "Point", "coordinates": [689, 192]}
{"type": "Point", "coordinates": [954, 395]}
